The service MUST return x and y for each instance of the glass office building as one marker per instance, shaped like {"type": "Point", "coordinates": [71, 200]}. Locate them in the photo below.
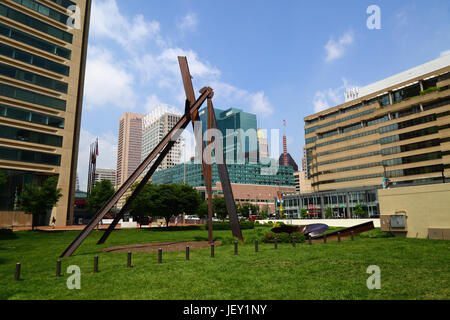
{"type": "Point", "coordinates": [42, 66]}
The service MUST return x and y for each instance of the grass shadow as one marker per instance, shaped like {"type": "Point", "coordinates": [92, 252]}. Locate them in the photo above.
{"type": "Point", "coordinates": [7, 234]}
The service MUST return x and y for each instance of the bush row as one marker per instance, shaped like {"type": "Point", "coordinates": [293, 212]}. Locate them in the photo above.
{"type": "Point", "coordinates": [226, 225]}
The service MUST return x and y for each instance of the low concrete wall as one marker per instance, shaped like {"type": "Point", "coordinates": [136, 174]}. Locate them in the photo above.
{"type": "Point", "coordinates": [425, 207]}
{"type": "Point", "coordinates": [9, 219]}
{"type": "Point", "coordinates": [330, 222]}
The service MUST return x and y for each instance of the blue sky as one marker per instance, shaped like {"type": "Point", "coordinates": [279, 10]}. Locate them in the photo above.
{"type": "Point", "coordinates": [278, 59]}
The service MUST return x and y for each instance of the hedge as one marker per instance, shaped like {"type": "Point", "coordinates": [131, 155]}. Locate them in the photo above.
{"type": "Point", "coordinates": [226, 225]}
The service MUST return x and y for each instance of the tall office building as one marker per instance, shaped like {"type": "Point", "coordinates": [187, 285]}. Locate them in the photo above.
{"type": "Point", "coordinates": [105, 174]}
{"type": "Point", "coordinates": [263, 144]}
{"type": "Point", "coordinates": [155, 126]}
{"type": "Point", "coordinates": [392, 133]}
{"type": "Point", "coordinates": [129, 145]}
{"type": "Point", "coordinates": [239, 131]}
{"type": "Point", "coordinates": [42, 68]}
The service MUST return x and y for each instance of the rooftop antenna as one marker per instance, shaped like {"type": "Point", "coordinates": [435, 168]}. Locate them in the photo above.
{"type": "Point", "coordinates": [285, 159]}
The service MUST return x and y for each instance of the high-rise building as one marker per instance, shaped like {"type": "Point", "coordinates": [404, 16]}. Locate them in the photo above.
{"type": "Point", "coordinates": [392, 133]}
{"type": "Point", "coordinates": [396, 129]}
{"type": "Point", "coordinates": [129, 147]}
{"type": "Point", "coordinates": [42, 68]}
{"type": "Point", "coordinates": [239, 131]}
{"type": "Point", "coordinates": [155, 126]}
{"type": "Point", "coordinates": [263, 145]}
{"type": "Point", "coordinates": [105, 174]}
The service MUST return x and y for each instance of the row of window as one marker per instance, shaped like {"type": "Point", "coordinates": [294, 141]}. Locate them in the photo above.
{"type": "Point", "coordinates": [32, 97]}
{"type": "Point", "coordinates": [408, 123]}
{"type": "Point", "coordinates": [358, 135]}
{"type": "Point", "coordinates": [31, 77]}
{"type": "Point", "coordinates": [34, 41]}
{"type": "Point", "coordinates": [390, 174]}
{"type": "Point", "coordinates": [64, 3]}
{"type": "Point", "coordinates": [397, 115]}
{"type": "Point", "coordinates": [30, 116]}
{"type": "Point", "coordinates": [42, 9]}
{"type": "Point", "coordinates": [357, 115]}
{"type": "Point", "coordinates": [29, 156]}
{"type": "Point", "coordinates": [356, 156]}
{"type": "Point", "coordinates": [411, 159]}
{"type": "Point", "coordinates": [384, 100]}
{"type": "Point", "coordinates": [35, 23]}
{"type": "Point", "coordinates": [30, 136]}
{"type": "Point", "coordinates": [33, 59]}
{"type": "Point", "coordinates": [411, 147]}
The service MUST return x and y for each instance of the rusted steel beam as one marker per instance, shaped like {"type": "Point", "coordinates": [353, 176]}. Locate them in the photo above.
{"type": "Point", "coordinates": [226, 185]}
{"type": "Point", "coordinates": [173, 135]}
{"type": "Point", "coordinates": [201, 145]}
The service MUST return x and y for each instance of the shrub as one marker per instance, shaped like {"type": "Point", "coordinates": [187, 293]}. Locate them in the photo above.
{"type": "Point", "coordinates": [376, 233]}
{"type": "Point", "coordinates": [429, 90]}
{"type": "Point", "coordinates": [283, 237]}
{"type": "Point", "coordinates": [181, 228]}
{"type": "Point", "coordinates": [226, 225]}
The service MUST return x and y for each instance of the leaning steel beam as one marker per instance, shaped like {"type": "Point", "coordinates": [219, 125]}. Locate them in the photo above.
{"type": "Point", "coordinates": [174, 132]}
{"type": "Point", "coordinates": [222, 168]}
{"type": "Point", "coordinates": [141, 184]}
{"type": "Point", "coordinates": [198, 132]}
{"type": "Point", "coordinates": [226, 186]}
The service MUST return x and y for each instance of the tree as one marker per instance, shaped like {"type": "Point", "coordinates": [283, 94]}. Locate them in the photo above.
{"type": "Point", "coordinates": [100, 193]}
{"type": "Point", "coordinates": [142, 206]}
{"type": "Point", "coordinates": [38, 201]}
{"type": "Point", "coordinates": [220, 207]}
{"type": "Point", "coordinates": [328, 213]}
{"type": "Point", "coordinates": [202, 210]}
{"type": "Point", "coordinates": [170, 200]}
{"type": "Point", "coordinates": [359, 211]}
{"type": "Point", "coordinates": [303, 213]}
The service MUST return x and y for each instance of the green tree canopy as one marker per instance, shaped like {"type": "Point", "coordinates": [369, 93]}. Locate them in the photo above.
{"type": "Point", "coordinates": [202, 211]}
{"type": "Point", "coordinates": [143, 206]}
{"type": "Point", "coordinates": [246, 209]}
{"type": "Point", "coordinates": [328, 212]}
{"type": "Point", "coordinates": [38, 201]}
{"type": "Point", "coordinates": [166, 201]}
{"type": "Point", "coordinates": [303, 213]}
{"type": "Point", "coordinates": [100, 193]}
{"type": "Point", "coordinates": [220, 207]}
{"type": "Point", "coordinates": [359, 211]}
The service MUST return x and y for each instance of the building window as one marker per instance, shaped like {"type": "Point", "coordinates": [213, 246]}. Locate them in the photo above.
{"type": "Point", "coordinates": [30, 116]}
{"type": "Point", "coordinates": [30, 136]}
{"type": "Point", "coordinates": [34, 60]}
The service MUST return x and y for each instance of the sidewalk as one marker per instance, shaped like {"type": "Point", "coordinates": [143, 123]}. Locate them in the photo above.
{"type": "Point", "coordinates": [66, 228]}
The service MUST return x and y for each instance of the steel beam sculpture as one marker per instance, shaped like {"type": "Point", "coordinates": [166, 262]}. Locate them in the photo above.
{"type": "Point", "coordinates": [191, 115]}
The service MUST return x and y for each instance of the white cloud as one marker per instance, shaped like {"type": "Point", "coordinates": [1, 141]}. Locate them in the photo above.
{"type": "Point", "coordinates": [107, 145]}
{"type": "Point", "coordinates": [336, 49]}
{"type": "Point", "coordinates": [229, 95]}
{"type": "Point", "coordinates": [108, 22]}
{"type": "Point", "coordinates": [151, 102]}
{"type": "Point", "coordinates": [107, 83]}
{"type": "Point", "coordinates": [324, 99]}
{"type": "Point", "coordinates": [445, 53]}
{"type": "Point", "coordinates": [188, 22]}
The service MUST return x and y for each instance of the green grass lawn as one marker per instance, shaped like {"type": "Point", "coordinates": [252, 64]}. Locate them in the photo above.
{"type": "Point", "coordinates": [410, 268]}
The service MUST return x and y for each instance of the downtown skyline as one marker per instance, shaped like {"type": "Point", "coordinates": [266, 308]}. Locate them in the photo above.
{"type": "Point", "coordinates": [281, 62]}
